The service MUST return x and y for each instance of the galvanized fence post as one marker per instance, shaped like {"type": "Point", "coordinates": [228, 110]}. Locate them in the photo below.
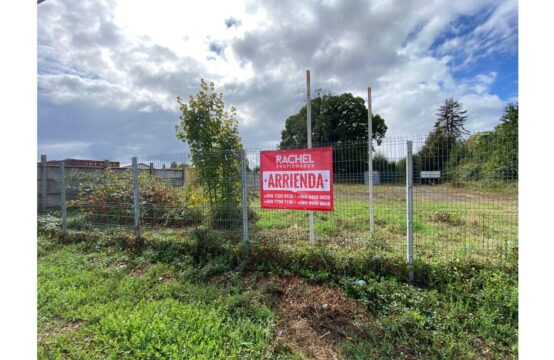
{"type": "Point", "coordinates": [309, 134]}
{"type": "Point", "coordinates": [43, 181]}
{"type": "Point", "coordinates": [409, 209]}
{"type": "Point", "coordinates": [62, 200]}
{"type": "Point", "coordinates": [136, 204]}
{"type": "Point", "coordinates": [245, 239]}
{"type": "Point", "coordinates": [370, 161]}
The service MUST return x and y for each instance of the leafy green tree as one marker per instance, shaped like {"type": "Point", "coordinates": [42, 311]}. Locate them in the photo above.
{"type": "Point", "coordinates": [335, 119]}
{"type": "Point", "coordinates": [435, 152]}
{"type": "Point", "coordinates": [503, 161]}
{"type": "Point", "coordinates": [215, 145]}
{"type": "Point", "coordinates": [340, 120]}
{"type": "Point", "coordinates": [510, 116]}
{"type": "Point", "coordinates": [388, 169]}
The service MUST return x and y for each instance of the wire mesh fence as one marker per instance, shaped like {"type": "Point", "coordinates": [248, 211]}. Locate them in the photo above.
{"type": "Point", "coordinates": [464, 197]}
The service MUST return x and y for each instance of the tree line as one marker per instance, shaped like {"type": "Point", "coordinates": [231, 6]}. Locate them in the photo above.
{"type": "Point", "coordinates": [341, 121]}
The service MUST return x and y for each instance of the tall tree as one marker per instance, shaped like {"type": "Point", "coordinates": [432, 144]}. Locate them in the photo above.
{"type": "Point", "coordinates": [335, 119]}
{"type": "Point", "coordinates": [442, 141]}
{"type": "Point", "coordinates": [213, 138]}
{"type": "Point", "coordinates": [451, 118]}
{"type": "Point", "coordinates": [340, 120]}
{"type": "Point", "coordinates": [510, 117]}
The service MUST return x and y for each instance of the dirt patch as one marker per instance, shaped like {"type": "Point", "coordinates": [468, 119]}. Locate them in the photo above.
{"type": "Point", "coordinates": [71, 326]}
{"type": "Point", "coordinates": [58, 327]}
{"type": "Point", "coordinates": [312, 319]}
{"type": "Point", "coordinates": [138, 270]}
{"type": "Point", "coordinates": [315, 319]}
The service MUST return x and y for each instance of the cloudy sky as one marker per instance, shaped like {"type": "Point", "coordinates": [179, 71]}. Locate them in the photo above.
{"type": "Point", "coordinates": [109, 71]}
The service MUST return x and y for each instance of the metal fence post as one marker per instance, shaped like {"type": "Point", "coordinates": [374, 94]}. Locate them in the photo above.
{"type": "Point", "coordinates": [62, 200]}
{"type": "Point", "coordinates": [245, 239]}
{"type": "Point", "coordinates": [151, 168]}
{"type": "Point", "coordinates": [409, 209]}
{"type": "Point", "coordinates": [43, 181]}
{"type": "Point", "coordinates": [309, 133]}
{"type": "Point", "coordinates": [136, 204]}
{"type": "Point", "coordinates": [370, 160]}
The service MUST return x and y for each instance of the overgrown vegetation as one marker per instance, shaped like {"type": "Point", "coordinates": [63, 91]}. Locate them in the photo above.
{"type": "Point", "coordinates": [491, 156]}
{"type": "Point", "coordinates": [201, 296]}
{"type": "Point", "coordinates": [108, 199]}
{"type": "Point", "coordinates": [486, 157]}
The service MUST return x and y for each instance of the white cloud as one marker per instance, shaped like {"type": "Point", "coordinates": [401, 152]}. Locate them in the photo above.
{"type": "Point", "coordinates": [136, 57]}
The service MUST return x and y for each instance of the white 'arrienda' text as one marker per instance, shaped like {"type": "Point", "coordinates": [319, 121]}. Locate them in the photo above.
{"type": "Point", "coordinates": [315, 180]}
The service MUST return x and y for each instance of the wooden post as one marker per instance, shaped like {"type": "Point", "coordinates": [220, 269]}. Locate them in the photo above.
{"type": "Point", "coordinates": [151, 168]}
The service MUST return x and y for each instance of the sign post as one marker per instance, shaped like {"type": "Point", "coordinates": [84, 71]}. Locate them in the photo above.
{"type": "Point", "coordinates": [297, 179]}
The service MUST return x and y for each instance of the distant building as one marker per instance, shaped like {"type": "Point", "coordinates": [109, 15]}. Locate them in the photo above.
{"type": "Point", "coordinates": [140, 166]}
{"type": "Point", "coordinates": [99, 164]}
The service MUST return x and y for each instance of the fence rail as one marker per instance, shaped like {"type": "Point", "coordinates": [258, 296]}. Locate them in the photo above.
{"type": "Point", "coordinates": [458, 198]}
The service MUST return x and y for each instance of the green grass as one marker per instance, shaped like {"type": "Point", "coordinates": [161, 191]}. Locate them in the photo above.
{"type": "Point", "coordinates": [109, 305]}
{"type": "Point", "coordinates": [97, 300]}
{"type": "Point", "coordinates": [465, 223]}
{"type": "Point", "coordinates": [475, 222]}
{"type": "Point", "coordinates": [99, 297]}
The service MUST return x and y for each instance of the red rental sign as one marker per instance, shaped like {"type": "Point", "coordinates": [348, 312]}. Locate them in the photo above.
{"type": "Point", "coordinates": [297, 179]}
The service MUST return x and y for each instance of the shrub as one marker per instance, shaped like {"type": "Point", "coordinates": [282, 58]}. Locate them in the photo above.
{"type": "Point", "coordinates": [206, 245]}
{"type": "Point", "coordinates": [109, 199]}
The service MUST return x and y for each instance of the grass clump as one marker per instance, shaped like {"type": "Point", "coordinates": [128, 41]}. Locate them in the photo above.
{"type": "Point", "coordinates": [109, 304]}
{"type": "Point", "coordinates": [469, 313]}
